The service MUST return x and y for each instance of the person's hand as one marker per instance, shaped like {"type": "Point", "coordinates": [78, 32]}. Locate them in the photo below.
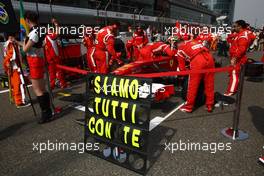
{"type": "Point", "coordinates": [233, 61]}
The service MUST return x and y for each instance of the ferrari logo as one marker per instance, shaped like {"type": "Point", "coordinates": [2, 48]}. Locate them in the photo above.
{"type": "Point", "coordinates": [4, 18]}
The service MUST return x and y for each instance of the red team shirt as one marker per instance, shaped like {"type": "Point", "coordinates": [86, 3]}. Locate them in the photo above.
{"type": "Point", "coordinates": [149, 51]}
{"type": "Point", "coordinates": [105, 40]}
{"type": "Point", "coordinates": [187, 51]}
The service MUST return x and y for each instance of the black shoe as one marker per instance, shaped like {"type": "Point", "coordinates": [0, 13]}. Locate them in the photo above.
{"type": "Point", "coordinates": [46, 112]}
{"type": "Point", "coordinates": [23, 105]}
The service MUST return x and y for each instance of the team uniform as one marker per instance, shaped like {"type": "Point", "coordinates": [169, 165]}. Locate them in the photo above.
{"type": "Point", "coordinates": [53, 53]}
{"type": "Point", "coordinates": [200, 59]}
{"type": "Point", "coordinates": [151, 50]}
{"type": "Point", "coordinates": [139, 40]}
{"type": "Point", "coordinates": [88, 42]}
{"type": "Point", "coordinates": [129, 49]}
{"type": "Point", "coordinates": [11, 67]}
{"type": "Point", "coordinates": [35, 58]}
{"type": "Point", "coordinates": [104, 52]}
{"type": "Point", "coordinates": [239, 45]}
{"type": "Point", "coordinates": [185, 36]}
{"type": "Point", "coordinates": [206, 39]}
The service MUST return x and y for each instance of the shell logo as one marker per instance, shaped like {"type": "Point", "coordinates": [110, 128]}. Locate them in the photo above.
{"type": "Point", "coordinates": [4, 18]}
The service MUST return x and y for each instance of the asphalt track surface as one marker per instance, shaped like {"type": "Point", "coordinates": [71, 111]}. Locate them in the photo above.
{"type": "Point", "coordinates": [19, 130]}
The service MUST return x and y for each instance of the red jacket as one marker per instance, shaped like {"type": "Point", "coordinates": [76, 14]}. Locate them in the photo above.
{"type": "Point", "coordinates": [88, 41]}
{"type": "Point", "coordinates": [105, 40]}
{"type": "Point", "coordinates": [187, 51]}
{"type": "Point", "coordinates": [251, 37]}
{"type": "Point", "coordinates": [149, 51]}
{"type": "Point", "coordinates": [51, 47]}
{"type": "Point", "coordinates": [240, 45]}
{"type": "Point", "coordinates": [204, 37]}
{"type": "Point", "coordinates": [139, 39]}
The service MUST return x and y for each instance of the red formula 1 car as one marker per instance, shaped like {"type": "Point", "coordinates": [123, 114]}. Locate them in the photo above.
{"type": "Point", "coordinates": [159, 64]}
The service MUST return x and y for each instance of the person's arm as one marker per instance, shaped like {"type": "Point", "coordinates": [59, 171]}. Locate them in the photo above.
{"type": "Point", "coordinates": [181, 60]}
{"type": "Point", "coordinates": [6, 62]}
{"type": "Point", "coordinates": [169, 51]}
{"type": "Point", "coordinates": [241, 50]}
{"type": "Point", "coordinates": [28, 45]}
{"type": "Point", "coordinates": [110, 46]}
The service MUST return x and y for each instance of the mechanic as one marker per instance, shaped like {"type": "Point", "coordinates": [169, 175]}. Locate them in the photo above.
{"type": "Point", "coordinates": [154, 50]}
{"type": "Point", "coordinates": [88, 41]}
{"type": "Point", "coordinates": [11, 64]}
{"type": "Point", "coordinates": [205, 38]}
{"type": "Point", "coordinates": [33, 48]}
{"type": "Point", "coordinates": [54, 57]}
{"type": "Point", "coordinates": [200, 59]}
{"type": "Point", "coordinates": [104, 48]}
{"type": "Point", "coordinates": [129, 49]}
{"type": "Point", "coordinates": [139, 40]}
{"type": "Point", "coordinates": [238, 49]}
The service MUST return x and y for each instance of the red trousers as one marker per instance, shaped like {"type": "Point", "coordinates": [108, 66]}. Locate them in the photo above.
{"type": "Point", "coordinates": [201, 62]}
{"type": "Point", "coordinates": [129, 50]}
{"type": "Point", "coordinates": [55, 73]}
{"type": "Point", "coordinates": [17, 88]}
{"type": "Point", "coordinates": [234, 76]}
{"type": "Point", "coordinates": [145, 54]}
{"type": "Point", "coordinates": [136, 52]}
{"type": "Point", "coordinates": [90, 59]}
{"type": "Point", "coordinates": [101, 58]}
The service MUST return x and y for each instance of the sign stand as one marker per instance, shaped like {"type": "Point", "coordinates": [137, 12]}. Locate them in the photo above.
{"type": "Point", "coordinates": [117, 120]}
{"type": "Point", "coordinates": [234, 133]}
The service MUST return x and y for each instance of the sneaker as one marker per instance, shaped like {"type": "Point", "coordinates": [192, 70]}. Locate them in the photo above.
{"type": "Point", "coordinates": [226, 104]}
{"type": "Point", "coordinates": [261, 159]}
{"type": "Point", "coordinates": [218, 104]}
{"type": "Point", "coordinates": [229, 94]}
{"type": "Point", "coordinates": [184, 109]}
{"type": "Point", "coordinates": [23, 105]}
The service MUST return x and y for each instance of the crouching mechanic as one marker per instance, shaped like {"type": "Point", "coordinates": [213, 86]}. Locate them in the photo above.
{"type": "Point", "coordinates": [12, 62]}
{"type": "Point", "coordinates": [153, 50]}
{"type": "Point", "coordinates": [104, 53]}
{"type": "Point", "coordinates": [200, 59]}
{"type": "Point", "coordinates": [33, 48]}
{"type": "Point", "coordinates": [139, 40]}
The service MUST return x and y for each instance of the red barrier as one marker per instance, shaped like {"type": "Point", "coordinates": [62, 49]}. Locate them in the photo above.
{"type": "Point", "coordinates": [71, 69]}
{"type": "Point", "coordinates": [155, 75]}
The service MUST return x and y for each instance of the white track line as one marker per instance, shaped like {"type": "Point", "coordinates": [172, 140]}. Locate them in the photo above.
{"type": "Point", "coordinates": [158, 120]}
{"type": "Point", "coordinates": [5, 91]}
{"type": "Point", "coordinates": [80, 108]}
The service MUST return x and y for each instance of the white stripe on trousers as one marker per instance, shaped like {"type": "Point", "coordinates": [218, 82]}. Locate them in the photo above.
{"type": "Point", "coordinates": [92, 58]}
{"type": "Point", "coordinates": [22, 87]}
{"type": "Point", "coordinates": [234, 81]}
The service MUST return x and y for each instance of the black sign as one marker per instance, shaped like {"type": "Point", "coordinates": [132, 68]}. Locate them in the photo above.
{"type": "Point", "coordinates": [118, 118]}
{"type": "Point", "coordinates": [8, 21]}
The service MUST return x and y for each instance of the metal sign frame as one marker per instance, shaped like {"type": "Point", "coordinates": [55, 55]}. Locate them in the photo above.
{"type": "Point", "coordinates": [116, 150]}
